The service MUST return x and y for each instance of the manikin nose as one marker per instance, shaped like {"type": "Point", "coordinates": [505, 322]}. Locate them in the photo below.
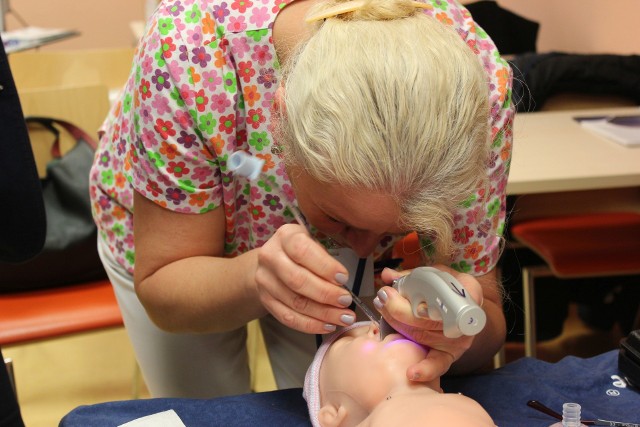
{"type": "Point", "coordinates": [374, 331]}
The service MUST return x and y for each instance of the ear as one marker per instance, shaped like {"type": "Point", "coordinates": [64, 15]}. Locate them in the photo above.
{"type": "Point", "coordinates": [331, 416]}
{"type": "Point", "coordinates": [278, 100]}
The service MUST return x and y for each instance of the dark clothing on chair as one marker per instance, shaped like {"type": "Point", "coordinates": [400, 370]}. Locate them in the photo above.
{"type": "Point", "coordinates": [539, 76]}
{"type": "Point", "coordinates": [23, 218]}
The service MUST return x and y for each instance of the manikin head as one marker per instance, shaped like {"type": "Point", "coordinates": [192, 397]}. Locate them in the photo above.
{"type": "Point", "coordinates": [358, 380]}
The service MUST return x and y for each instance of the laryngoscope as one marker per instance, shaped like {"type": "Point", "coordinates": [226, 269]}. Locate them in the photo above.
{"type": "Point", "coordinates": [446, 300]}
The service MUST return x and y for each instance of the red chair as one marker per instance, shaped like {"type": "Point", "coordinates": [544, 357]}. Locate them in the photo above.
{"type": "Point", "coordinates": [408, 248]}
{"type": "Point", "coordinates": [576, 246]}
{"type": "Point", "coordinates": [39, 315]}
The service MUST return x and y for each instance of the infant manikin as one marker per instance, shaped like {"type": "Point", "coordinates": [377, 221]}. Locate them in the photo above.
{"type": "Point", "coordinates": [358, 380]}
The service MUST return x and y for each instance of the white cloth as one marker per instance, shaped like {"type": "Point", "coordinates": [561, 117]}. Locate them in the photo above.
{"type": "Point", "coordinates": [311, 390]}
{"type": "Point", "coordinates": [161, 419]}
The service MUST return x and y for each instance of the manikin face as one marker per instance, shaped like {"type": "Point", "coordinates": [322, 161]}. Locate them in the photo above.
{"type": "Point", "coordinates": [358, 367]}
{"type": "Point", "coordinates": [363, 383]}
{"type": "Point", "coordinates": [352, 217]}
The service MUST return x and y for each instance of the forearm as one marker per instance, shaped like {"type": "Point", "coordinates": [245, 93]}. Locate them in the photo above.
{"type": "Point", "coordinates": [487, 343]}
{"type": "Point", "coordinates": [181, 276]}
{"type": "Point", "coordinates": [202, 294]}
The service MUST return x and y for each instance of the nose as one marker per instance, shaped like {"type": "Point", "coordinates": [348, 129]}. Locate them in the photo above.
{"type": "Point", "coordinates": [363, 243]}
{"type": "Point", "coordinates": [373, 331]}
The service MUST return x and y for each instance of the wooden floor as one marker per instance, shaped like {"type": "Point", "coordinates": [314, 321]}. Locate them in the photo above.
{"type": "Point", "coordinates": [56, 376]}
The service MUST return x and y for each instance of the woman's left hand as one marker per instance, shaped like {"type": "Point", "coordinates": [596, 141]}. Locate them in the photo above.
{"type": "Point", "coordinates": [443, 351]}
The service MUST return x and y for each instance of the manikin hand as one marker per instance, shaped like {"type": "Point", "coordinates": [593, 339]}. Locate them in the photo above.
{"type": "Point", "coordinates": [298, 282]}
{"type": "Point", "coordinates": [397, 312]}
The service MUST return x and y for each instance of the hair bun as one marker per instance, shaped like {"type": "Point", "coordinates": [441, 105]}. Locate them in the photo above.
{"type": "Point", "coordinates": [366, 9]}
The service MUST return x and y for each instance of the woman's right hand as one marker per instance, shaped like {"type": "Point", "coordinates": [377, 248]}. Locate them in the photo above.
{"type": "Point", "coordinates": [298, 282]}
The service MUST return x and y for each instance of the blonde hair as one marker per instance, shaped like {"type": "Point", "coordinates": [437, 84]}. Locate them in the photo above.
{"type": "Point", "coordinates": [389, 100]}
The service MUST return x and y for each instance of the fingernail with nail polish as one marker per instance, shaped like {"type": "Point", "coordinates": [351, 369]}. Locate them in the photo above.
{"type": "Point", "coordinates": [423, 311]}
{"type": "Point", "coordinates": [329, 327]}
{"type": "Point", "coordinates": [383, 296]}
{"type": "Point", "coordinates": [347, 319]}
{"type": "Point", "coordinates": [342, 278]}
{"type": "Point", "coordinates": [345, 300]}
{"type": "Point", "coordinates": [377, 303]}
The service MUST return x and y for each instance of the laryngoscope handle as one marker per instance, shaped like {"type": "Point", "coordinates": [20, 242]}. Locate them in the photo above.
{"type": "Point", "coordinates": [446, 300]}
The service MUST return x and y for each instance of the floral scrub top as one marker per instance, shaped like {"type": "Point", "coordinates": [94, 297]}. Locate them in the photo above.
{"type": "Point", "coordinates": [201, 87]}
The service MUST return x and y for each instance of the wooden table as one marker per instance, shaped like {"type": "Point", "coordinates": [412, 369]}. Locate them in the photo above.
{"type": "Point", "coordinates": [553, 153]}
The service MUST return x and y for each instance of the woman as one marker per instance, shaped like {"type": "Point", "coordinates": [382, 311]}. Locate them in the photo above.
{"type": "Point", "coordinates": [375, 118]}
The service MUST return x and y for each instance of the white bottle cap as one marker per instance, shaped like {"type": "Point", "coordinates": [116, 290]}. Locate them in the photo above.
{"type": "Point", "coordinates": [243, 164]}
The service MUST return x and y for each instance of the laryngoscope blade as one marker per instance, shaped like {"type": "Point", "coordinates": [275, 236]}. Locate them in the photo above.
{"type": "Point", "coordinates": [364, 307]}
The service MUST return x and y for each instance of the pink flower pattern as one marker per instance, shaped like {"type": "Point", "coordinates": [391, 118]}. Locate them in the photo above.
{"type": "Point", "coordinates": [183, 64]}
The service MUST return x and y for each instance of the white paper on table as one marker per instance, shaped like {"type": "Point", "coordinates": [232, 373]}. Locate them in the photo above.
{"type": "Point", "coordinates": [161, 419]}
{"type": "Point", "coordinates": [30, 37]}
{"type": "Point", "coordinates": [624, 130]}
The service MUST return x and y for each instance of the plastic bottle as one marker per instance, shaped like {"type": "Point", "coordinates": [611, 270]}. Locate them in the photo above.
{"type": "Point", "coordinates": [570, 416]}
{"type": "Point", "coordinates": [244, 164]}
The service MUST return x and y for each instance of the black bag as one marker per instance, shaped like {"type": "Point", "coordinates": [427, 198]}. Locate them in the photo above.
{"type": "Point", "coordinates": [70, 253]}
{"type": "Point", "coordinates": [629, 358]}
